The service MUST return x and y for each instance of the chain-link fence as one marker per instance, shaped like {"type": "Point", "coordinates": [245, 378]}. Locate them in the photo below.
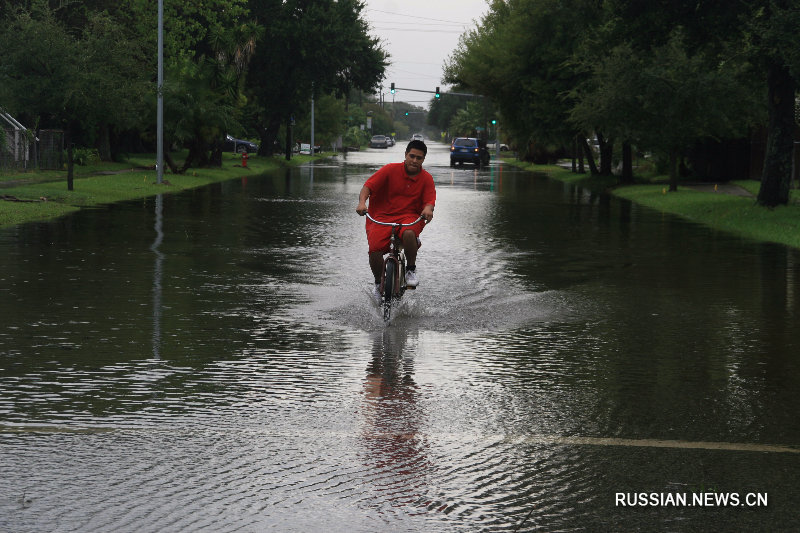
{"type": "Point", "coordinates": [50, 149]}
{"type": "Point", "coordinates": [21, 151]}
{"type": "Point", "coordinates": [14, 152]}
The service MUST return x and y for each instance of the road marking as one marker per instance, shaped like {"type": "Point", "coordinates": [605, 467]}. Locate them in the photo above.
{"type": "Point", "coordinates": [654, 443]}
{"type": "Point", "coordinates": [54, 429]}
{"type": "Point", "coordinates": [520, 439]}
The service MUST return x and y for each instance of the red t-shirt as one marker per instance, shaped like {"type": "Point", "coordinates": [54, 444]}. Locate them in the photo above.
{"type": "Point", "coordinates": [393, 193]}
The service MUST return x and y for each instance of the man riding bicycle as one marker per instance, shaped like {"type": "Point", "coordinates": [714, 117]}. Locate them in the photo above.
{"type": "Point", "coordinates": [399, 193]}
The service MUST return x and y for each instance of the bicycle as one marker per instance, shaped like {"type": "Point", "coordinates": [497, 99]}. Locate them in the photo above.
{"type": "Point", "coordinates": [393, 279]}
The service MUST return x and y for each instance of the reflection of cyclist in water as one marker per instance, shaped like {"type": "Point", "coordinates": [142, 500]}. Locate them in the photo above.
{"type": "Point", "coordinates": [398, 192]}
{"type": "Point", "coordinates": [394, 449]}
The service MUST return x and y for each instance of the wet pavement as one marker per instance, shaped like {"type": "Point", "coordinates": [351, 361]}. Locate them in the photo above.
{"type": "Point", "coordinates": [212, 361]}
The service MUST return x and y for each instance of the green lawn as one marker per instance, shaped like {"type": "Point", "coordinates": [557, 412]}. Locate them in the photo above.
{"type": "Point", "coordinates": [43, 195]}
{"type": "Point", "coordinates": [735, 214]}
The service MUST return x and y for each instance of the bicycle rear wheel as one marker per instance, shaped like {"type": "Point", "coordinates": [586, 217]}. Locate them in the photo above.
{"type": "Point", "coordinates": [388, 289]}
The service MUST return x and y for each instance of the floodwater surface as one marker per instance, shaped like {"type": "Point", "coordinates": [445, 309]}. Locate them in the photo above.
{"type": "Point", "coordinates": [213, 361]}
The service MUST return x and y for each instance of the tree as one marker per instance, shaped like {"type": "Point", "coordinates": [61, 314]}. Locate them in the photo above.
{"type": "Point", "coordinates": [443, 110]}
{"type": "Point", "coordinates": [80, 81]}
{"type": "Point", "coordinates": [665, 99]}
{"type": "Point", "coordinates": [115, 80]}
{"type": "Point", "coordinates": [519, 56]}
{"type": "Point", "coordinates": [322, 44]}
{"type": "Point", "coordinates": [330, 121]}
{"type": "Point", "coordinates": [772, 37]}
{"type": "Point", "coordinates": [687, 97]}
{"type": "Point", "coordinates": [466, 121]}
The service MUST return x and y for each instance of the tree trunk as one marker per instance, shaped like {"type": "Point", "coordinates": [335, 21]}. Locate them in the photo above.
{"type": "Point", "coordinates": [70, 158]}
{"type": "Point", "coordinates": [173, 166]}
{"type": "Point", "coordinates": [673, 170]}
{"type": "Point", "coordinates": [606, 153]}
{"type": "Point", "coordinates": [589, 156]}
{"type": "Point", "coordinates": [776, 177]}
{"type": "Point", "coordinates": [197, 157]}
{"type": "Point", "coordinates": [216, 155]}
{"type": "Point", "coordinates": [268, 134]}
{"type": "Point", "coordinates": [575, 154]}
{"type": "Point", "coordinates": [70, 168]}
{"type": "Point", "coordinates": [627, 163]}
{"type": "Point", "coordinates": [289, 137]}
{"type": "Point", "coordinates": [104, 142]}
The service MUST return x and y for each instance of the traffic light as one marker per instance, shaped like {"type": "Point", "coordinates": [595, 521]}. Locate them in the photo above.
{"type": "Point", "coordinates": [392, 89]}
{"type": "Point", "coordinates": [437, 95]}
{"type": "Point", "coordinates": [494, 121]}
{"type": "Point", "coordinates": [406, 113]}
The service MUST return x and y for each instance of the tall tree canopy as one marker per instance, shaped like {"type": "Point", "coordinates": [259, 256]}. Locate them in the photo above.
{"type": "Point", "coordinates": [89, 66]}
{"type": "Point", "coordinates": [662, 75]}
{"type": "Point", "coordinates": [321, 46]}
{"type": "Point", "coordinates": [86, 79]}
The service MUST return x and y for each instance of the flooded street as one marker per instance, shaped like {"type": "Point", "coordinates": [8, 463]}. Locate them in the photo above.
{"type": "Point", "coordinates": [213, 361]}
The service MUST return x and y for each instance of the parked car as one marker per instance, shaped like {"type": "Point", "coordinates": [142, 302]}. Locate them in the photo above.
{"type": "Point", "coordinates": [390, 140]}
{"type": "Point", "coordinates": [232, 144]}
{"type": "Point", "coordinates": [417, 137]}
{"type": "Point", "coordinates": [378, 141]}
{"type": "Point", "coordinates": [493, 146]}
{"type": "Point", "coordinates": [305, 148]}
{"type": "Point", "coordinates": [468, 150]}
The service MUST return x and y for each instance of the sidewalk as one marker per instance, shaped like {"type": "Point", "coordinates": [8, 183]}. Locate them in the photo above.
{"type": "Point", "coordinates": [725, 188]}
{"type": "Point", "coordinates": [17, 181]}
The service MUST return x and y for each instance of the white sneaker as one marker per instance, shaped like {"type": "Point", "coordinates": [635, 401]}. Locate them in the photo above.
{"type": "Point", "coordinates": [411, 279]}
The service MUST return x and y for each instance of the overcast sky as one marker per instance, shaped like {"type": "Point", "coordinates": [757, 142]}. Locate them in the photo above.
{"type": "Point", "coordinates": [420, 35]}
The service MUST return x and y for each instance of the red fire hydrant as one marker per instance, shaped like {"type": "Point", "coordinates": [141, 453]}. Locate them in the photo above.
{"type": "Point", "coordinates": [244, 159]}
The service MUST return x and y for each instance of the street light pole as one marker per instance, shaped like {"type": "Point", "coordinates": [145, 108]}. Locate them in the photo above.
{"type": "Point", "coordinates": [312, 119]}
{"type": "Point", "coordinates": [160, 104]}
{"type": "Point", "coordinates": [497, 140]}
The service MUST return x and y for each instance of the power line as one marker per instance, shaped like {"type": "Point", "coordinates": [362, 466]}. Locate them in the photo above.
{"type": "Point", "coordinates": [404, 30]}
{"type": "Point", "coordinates": [417, 23]}
{"type": "Point", "coordinates": [400, 71]}
{"type": "Point", "coordinates": [416, 17]}
{"type": "Point", "coordinates": [415, 62]}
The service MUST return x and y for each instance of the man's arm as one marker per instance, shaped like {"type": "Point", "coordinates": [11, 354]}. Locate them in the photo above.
{"type": "Point", "coordinates": [429, 199]}
{"type": "Point", "coordinates": [427, 212]}
{"type": "Point", "coordinates": [362, 201]}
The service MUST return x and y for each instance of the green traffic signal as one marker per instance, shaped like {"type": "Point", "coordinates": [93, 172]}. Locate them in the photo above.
{"type": "Point", "coordinates": [437, 95]}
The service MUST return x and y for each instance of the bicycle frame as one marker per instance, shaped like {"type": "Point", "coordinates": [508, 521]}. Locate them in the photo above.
{"type": "Point", "coordinates": [395, 264]}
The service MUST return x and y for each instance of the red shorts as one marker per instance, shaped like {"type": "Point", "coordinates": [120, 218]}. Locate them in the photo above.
{"type": "Point", "coordinates": [379, 236]}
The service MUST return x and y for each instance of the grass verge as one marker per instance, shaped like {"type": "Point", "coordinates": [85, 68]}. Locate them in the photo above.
{"type": "Point", "coordinates": [43, 195]}
{"type": "Point", "coordinates": [739, 215]}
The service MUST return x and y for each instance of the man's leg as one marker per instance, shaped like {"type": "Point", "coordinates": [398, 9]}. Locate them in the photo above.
{"type": "Point", "coordinates": [410, 245]}
{"type": "Point", "coordinates": [376, 264]}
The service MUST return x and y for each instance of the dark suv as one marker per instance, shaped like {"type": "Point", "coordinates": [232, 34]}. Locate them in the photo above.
{"type": "Point", "coordinates": [469, 150]}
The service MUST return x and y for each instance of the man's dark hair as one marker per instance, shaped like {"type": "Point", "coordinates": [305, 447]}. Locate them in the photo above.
{"type": "Point", "coordinates": [419, 145]}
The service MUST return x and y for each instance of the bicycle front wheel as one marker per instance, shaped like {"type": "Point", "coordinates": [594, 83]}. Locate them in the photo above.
{"type": "Point", "coordinates": [388, 289]}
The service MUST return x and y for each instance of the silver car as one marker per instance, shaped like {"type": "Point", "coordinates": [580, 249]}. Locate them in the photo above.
{"type": "Point", "coordinates": [378, 141]}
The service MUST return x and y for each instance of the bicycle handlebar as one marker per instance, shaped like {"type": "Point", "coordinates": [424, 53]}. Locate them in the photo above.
{"type": "Point", "coordinates": [393, 223]}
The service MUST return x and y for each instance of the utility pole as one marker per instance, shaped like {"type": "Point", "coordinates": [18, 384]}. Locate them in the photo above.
{"type": "Point", "coordinates": [497, 140]}
{"type": "Point", "coordinates": [160, 104]}
{"type": "Point", "coordinates": [312, 119]}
